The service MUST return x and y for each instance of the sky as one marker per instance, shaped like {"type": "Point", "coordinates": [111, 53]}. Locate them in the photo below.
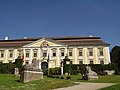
{"type": "Point", "coordinates": [38, 18]}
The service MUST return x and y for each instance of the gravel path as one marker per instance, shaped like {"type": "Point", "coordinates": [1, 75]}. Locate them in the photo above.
{"type": "Point", "coordinates": [87, 86]}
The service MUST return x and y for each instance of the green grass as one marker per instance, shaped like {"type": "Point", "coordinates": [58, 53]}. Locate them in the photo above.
{"type": "Point", "coordinates": [102, 79]}
{"type": "Point", "coordinates": [10, 82]}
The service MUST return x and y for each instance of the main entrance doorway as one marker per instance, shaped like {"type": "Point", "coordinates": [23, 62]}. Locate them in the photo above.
{"type": "Point", "coordinates": [44, 67]}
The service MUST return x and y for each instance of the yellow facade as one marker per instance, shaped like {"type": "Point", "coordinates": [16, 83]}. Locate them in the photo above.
{"type": "Point", "coordinates": [36, 49]}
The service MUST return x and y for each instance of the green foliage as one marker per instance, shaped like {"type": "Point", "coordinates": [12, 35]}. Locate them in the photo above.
{"type": "Point", "coordinates": [99, 68]}
{"type": "Point", "coordinates": [115, 55]}
{"type": "Point", "coordinates": [11, 82]}
{"type": "Point", "coordinates": [18, 63]}
{"type": "Point", "coordinates": [68, 77]}
{"type": "Point", "coordinates": [62, 77]}
{"type": "Point", "coordinates": [67, 68]}
{"type": "Point", "coordinates": [54, 71]}
{"type": "Point", "coordinates": [57, 77]}
{"type": "Point", "coordinates": [7, 68]}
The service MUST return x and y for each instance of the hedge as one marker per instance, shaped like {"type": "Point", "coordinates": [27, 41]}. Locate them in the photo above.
{"type": "Point", "coordinates": [7, 68]}
{"type": "Point", "coordinates": [99, 68]}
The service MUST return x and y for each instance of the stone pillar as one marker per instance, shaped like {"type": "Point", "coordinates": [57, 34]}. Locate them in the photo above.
{"type": "Point", "coordinates": [107, 55]}
{"type": "Point", "coordinates": [58, 56]}
{"type": "Point", "coordinates": [15, 54]}
{"type": "Point", "coordinates": [31, 55]}
{"type": "Point", "coordinates": [6, 56]}
{"type": "Point", "coordinates": [96, 55]}
{"type": "Point", "coordinates": [86, 55]}
{"type": "Point", "coordinates": [75, 55]}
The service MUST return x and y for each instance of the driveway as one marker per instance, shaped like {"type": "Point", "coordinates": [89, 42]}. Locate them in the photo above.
{"type": "Point", "coordinates": [87, 86]}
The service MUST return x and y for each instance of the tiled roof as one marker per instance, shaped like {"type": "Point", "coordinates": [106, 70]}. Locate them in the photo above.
{"type": "Point", "coordinates": [71, 41]}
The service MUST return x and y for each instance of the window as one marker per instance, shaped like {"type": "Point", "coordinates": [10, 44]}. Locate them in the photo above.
{"type": "Point", "coordinates": [70, 52]}
{"type": "Point", "coordinates": [1, 61]}
{"type": "Point", "coordinates": [10, 53]}
{"type": "Point", "coordinates": [80, 51]}
{"type": "Point", "coordinates": [80, 61]}
{"type": "Point", "coordinates": [62, 52]}
{"type": "Point", "coordinates": [101, 51]}
{"type": "Point", "coordinates": [54, 52]}
{"type": "Point", "coordinates": [1, 53]}
{"type": "Point", "coordinates": [26, 62]}
{"type": "Point", "coordinates": [102, 61]}
{"type": "Point", "coordinates": [90, 52]}
{"type": "Point", "coordinates": [10, 61]}
{"type": "Point", "coordinates": [44, 53]}
{"type": "Point", "coordinates": [27, 53]}
{"type": "Point", "coordinates": [35, 53]}
{"type": "Point", "coordinates": [91, 62]}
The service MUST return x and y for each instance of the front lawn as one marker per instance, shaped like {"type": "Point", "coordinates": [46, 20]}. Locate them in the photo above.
{"type": "Point", "coordinates": [11, 82]}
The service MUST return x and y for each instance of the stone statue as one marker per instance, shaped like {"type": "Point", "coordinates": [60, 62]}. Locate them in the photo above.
{"type": "Point", "coordinates": [34, 66]}
{"type": "Point", "coordinates": [89, 74]}
{"type": "Point", "coordinates": [31, 72]}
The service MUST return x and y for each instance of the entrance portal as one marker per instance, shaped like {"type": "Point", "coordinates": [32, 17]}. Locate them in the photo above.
{"type": "Point", "coordinates": [44, 67]}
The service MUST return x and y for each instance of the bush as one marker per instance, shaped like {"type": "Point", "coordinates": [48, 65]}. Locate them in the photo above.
{"type": "Point", "coordinates": [7, 68]}
{"type": "Point", "coordinates": [18, 62]}
{"type": "Point", "coordinates": [102, 73]}
{"type": "Point", "coordinates": [68, 77]}
{"type": "Point", "coordinates": [117, 71]}
{"type": "Point", "coordinates": [54, 71]}
{"type": "Point", "coordinates": [57, 77]}
{"type": "Point", "coordinates": [62, 77]}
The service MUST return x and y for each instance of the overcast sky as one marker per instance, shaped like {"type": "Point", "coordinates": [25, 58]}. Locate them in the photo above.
{"type": "Point", "coordinates": [36, 18]}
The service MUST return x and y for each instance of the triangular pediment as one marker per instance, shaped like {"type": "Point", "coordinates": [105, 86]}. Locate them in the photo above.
{"type": "Point", "coordinates": [44, 42]}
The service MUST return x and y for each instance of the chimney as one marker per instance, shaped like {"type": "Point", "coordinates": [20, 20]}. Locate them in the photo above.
{"type": "Point", "coordinates": [6, 38]}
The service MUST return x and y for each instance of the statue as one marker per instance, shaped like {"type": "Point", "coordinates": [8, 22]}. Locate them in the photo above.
{"type": "Point", "coordinates": [31, 72]}
{"type": "Point", "coordinates": [89, 74]}
{"type": "Point", "coordinates": [34, 66]}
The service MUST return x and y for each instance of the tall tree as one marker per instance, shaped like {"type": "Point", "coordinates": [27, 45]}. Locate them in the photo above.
{"type": "Point", "coordinates": [115, 55]}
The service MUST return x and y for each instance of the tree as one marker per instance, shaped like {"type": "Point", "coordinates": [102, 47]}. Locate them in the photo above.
{"type": "Point", "coordinates": [115, 55]}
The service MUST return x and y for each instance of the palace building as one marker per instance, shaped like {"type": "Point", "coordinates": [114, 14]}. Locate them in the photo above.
{"type": "Point", "coordinates": [80, 50]}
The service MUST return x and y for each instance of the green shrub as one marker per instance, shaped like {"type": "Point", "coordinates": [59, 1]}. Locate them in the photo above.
{"type": "Point", "coordinates": [57, 77]}
{"type": "Point", "coordinates": [62, 77]}
{"type": "Point", "coordinates": [7, 68]}
{"type": "Point", "coordinates": [18, 62]}
{"type": "Point", "coordinates": [55, 71]}
{"type": "Point", "coordinates": [68, 77]}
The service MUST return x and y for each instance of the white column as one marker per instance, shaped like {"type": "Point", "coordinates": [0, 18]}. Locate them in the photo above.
{"type": "Point", "coordinates": [96, 55]}
{"type": "Point", "coordinates": [66, 51]}
{"type": "Point", "coordinates": [39, 54]}
{"type": "Point", "coordinates": [58, 56]}
{"type": "Point", "coordinates": [31, 55]}
{"type": "Point", "coordinates": [86, 55]}
{"type": "Point", "coordinates": [39, 64]}
{"type": "Point", "coordinates": [108, 55]}
{"type": "Point", "coordinates": [15, 54]}
{"type": "Point", "coordinates": [75, 55]}
{"type": "Point", "coordinates": [6, 56]}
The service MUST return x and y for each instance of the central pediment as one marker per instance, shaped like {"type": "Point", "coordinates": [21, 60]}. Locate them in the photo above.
{"type": "Point", "coordinates": [44, 42]}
